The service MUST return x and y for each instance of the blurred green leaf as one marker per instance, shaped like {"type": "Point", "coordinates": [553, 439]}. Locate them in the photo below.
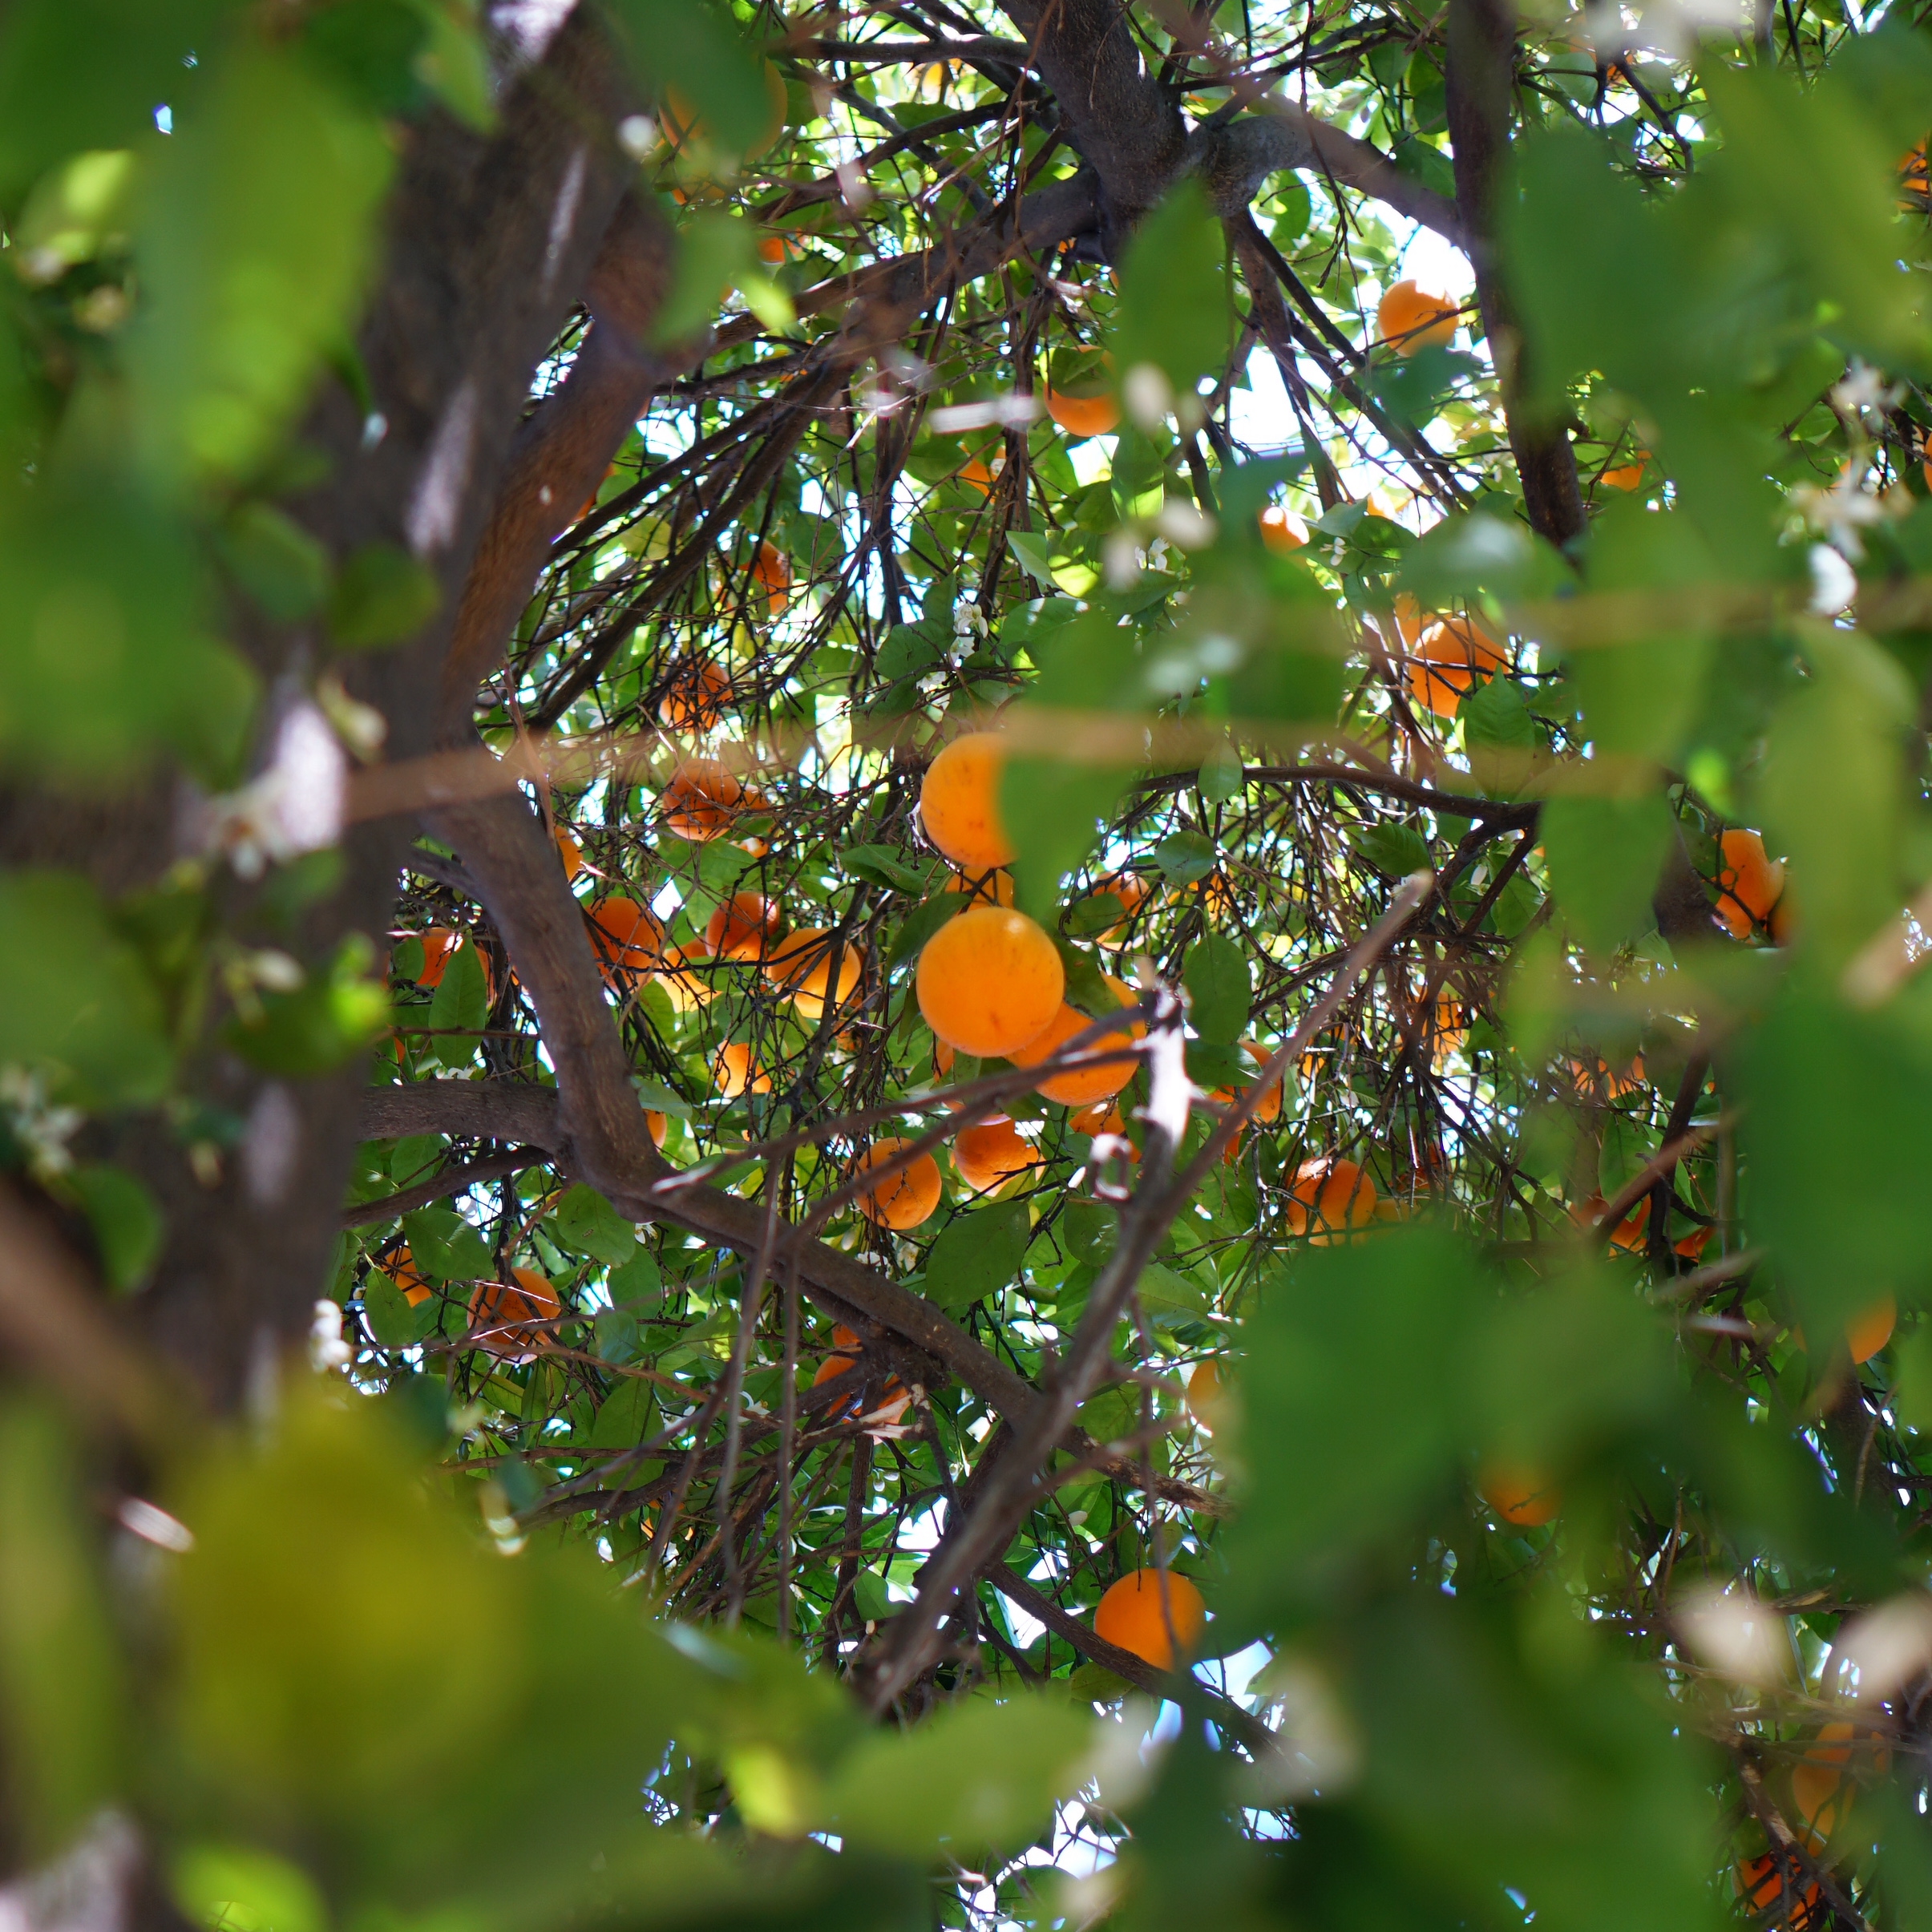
{"type": "Point", "coordinates": [127, 1221]}
{"type": "Point", "coordinates": [338, 1012]}
{"type": "Point", "coordinates": [61, 1673]}
{"type": "Point", "coordinates": [1174, 311]}
{"type": "Point", "coordinates": [1605, 855]}
{"type": "Point", "coordinates": [74, 996]}
{"type": "Point", "coordinates": [382, 596]}
{"type": "Point", "coordinates": [252, 241]}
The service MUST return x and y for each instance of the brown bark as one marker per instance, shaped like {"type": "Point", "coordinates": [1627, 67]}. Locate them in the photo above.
{"type": "Point", "coordinates": [1481, 75]}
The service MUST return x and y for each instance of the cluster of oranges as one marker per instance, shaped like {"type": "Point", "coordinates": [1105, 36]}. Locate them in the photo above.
{"type": "Point", "coordinates": [1444, 653]}
{"type": "Point", "coordinates": [511, 1320]}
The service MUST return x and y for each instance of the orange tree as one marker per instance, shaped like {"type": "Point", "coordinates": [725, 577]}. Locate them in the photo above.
{"type": "Point", "coordinates": [876, 876]}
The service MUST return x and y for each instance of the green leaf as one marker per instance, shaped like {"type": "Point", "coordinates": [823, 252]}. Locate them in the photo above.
{"type": "Point", "coordinates": [392, 1321]}
{"type": "Point", "coordinates": [240, 1884]}
{"type": "Point", "coordinates": [445, 1246]}
{"type": "Point", "coordinates": [1162, 1288]}
{"type": "Point", "coordinates": [977, 1776]}
{"type": "Point", "coordinates": [637, 1282]}
{"type": "Point", "coordinates": [697, 48]}
{"type": "Point", "coordinates": [74, 996]}
{"type": "Point", "coordinates": [977, 1254]}
{"type": "Point", "coordinates": [275, 560]}
{"type": "Point", "coordinates": [921, 922]}
{"type": "Point", "coordinates": [1216, 977]}
{"type": "Point", "coordinates": [460, 1002]}
{"type": "Point", "coordinates": [584, 1221]}
{"type": "Point", "coordinates": [882, 866]}
{"type": "Point", "coordinates": [1034, 558]}
{"type": "Point", "coordinates": [627, 1417]}
{"type": "Point", "coordinates": [1175, 309]}
{"type": "Point", "coordinates": [713, 251]}
{"type": "Point", "coordinates": [1495, 715]}
{"type": "Point", "coordinates": [127, 1221]}
{"type": "Point", "coordinates": [1395, 851]}
{"type": "Point", "coordinates": [338, 1012]}
{"type": "Point", "coordinates": [382, 596]}
{"type": "Point", "coordinates": [1186, 857]}
{"type": "Point", "coordinates": [1605, 855]}
{"type": "Point", "coordinates": [61, 1674]}
{"type": "Point", "coordinates": [253, 245]}
{"type": "Point", "coordinates": [910, 649]}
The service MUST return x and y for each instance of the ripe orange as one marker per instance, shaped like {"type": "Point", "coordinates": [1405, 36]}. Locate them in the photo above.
{"type": "Point", "coordinates": [1207, 1394]}
{"type": "Point", "coordinates": [903, 1200]}
{"type": "Point", "coordinates": [1763, 1886]}
{"type": "Point", "coordinates": [958, 802]}
{"type": "Point", "coordinates": [777, 248]}
{"type": "Point", "coordinates": [687, 989]}
{"type": "Point", "coordinates": [569, 851]}
{"type": "Point", "coordinates": [1083, 415]}
{"type": "Point", "coordinates": [625, 936]}
{"type": "Point", "coordinates": [1914, 178]}
{"type": "Point", "coordinates": [735, 1071]}
{"type": "Point", "coordinates": [745, 927]}
{"type": "Point", "coordinates": [771, 571]}
{"type": "Point", "coordinates": [657, 1124]}
{"type": "Point", "coordinates": [1444, 660]}
{"type": "Point", "coordinates": [1523, 1496]}
{"type": "Point", "coordinates": [1281, 529]}
{"type": "Point", "coordinates": [1817, 1782]}
{"type": "Point", "coordinates": [1627, 475]}
{"type": "Point", "coordinates": [994, 888]}
{"type": "Point", "coordinates": [802, 965]}
{"type": "Point", "coordinates": [439, 943]}
{"type": "Point", "coordinates": [986, 1156]}
{"type": "Point", "coordinates": [1749, 884]}
{"type": "Point", "coordinates": [1409, 318]}
{"type": "Point", "coordinates": [894, 1399]}
{"type": "Point", "coordinates": [1614, 1084]}
{"type": "Point", "coordinates": [701, 800]}
{"type": "Point", "coordinates": [1328, 1197]}
{"type": "Point", "coordinates": [400, 1271]}
{"type": "Point", "coordinates": [696, 697]}
{"type": "Point", "coordinates": [1866, 1333]}
{"type": "Point", "coordinates": [981, 475]}
{"type": "Point", "coordinates": [1130, 1616]}
{"type": "Point", "coordinates": [1105, 1117]}
{"type": "Point", "coordinates": [1080, 1086]}
{"type": "Point", "coordinates": [989, 981]}
{"type": "Point", "coordinates": [1268, 1107]}
{"type": "Point", "coordinates": [512, 1314]}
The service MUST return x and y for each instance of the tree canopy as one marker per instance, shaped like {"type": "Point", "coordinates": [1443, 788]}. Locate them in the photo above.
{"type": "Point", "coordinates": [959, 964]}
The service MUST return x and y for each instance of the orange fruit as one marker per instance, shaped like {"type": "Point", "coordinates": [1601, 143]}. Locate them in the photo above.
{"type": "Point", "coordinates": [894, 1399]}
{"type": "Point", "coordinates": [401, 1272]}
{"type": "Point", "coordinates": [1523, 1496]}
{"type": "Point", "coordinates": [687, 988]}
{"type": "Point", "coordinates": [1268, 1107]}
{"type": "Point", "coordinates": [1868, 1331]}
{"type": "Point", "coordinates": [744, 927]}
{"type": "Point", "coordinates": [512, 1315]}
{"type": "Point", "coordinates": [989, 981]}
{"type": "Point", "coordinates": [771, 571]}
{"type": "Point", "coordinates": [735, 1071]}
{"type": "Point", "coordinates": [958, 802]}
{"type": "Point", "coordinates": [1281, 529]}
{"type": "Point", "coordinates": [695, 697]}
{"type": "Point", "coordinates": [625, 936]}
{"type": "Point", "coordinates": [1763, 1886]}
{"type": "Point", "coordinates": [569, 851]}
{"type": "Point", "coordinates": [981, 475]}
{"type": "Point", "coordinates": [801, 966]}
{"type": "Point", "coordinates": [1083, 415]}
{"type": "Point", "coordinates": [903, 1200]}
{"type": "Point", "coordinates": [1327, 1196]}
{"type": "Point", "coordinates": [1627, 475]}
{"type": "Point", "coordinates": [1409, 318]}
{"type": "Point", "coordinates": [439, 944]}
{"type": "Point", "coordinates": [1445, 660]}
{"type": "Point", "coordinates": [1207, 1394]}
{"type": "Point", "coordinates": [1130, 1616]}
{"type": "Point", "coordinates": [1817, 1781]}
{"type": "Point", "coordinates": [701, 800]}
{"type": "Point", "coordinates": [1105, 1117]}
{"type": "Point", "coordinates": [1080, 1086]}
{"type": "Point", "coordinates": [1749, 884]}
{"type": "Point", "coordinates": [657, 1124]}
{"type": "Point", "coordinates": [1615, 1085]}
{"type": "Point", "coordinates": [986, 1156]}
{"type": "Point", "coordinates": [777, 248]}
{"type": "Point", "coordinates": [995, 888]}
{"type": "Point", "coordinates": [1914, 178]}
